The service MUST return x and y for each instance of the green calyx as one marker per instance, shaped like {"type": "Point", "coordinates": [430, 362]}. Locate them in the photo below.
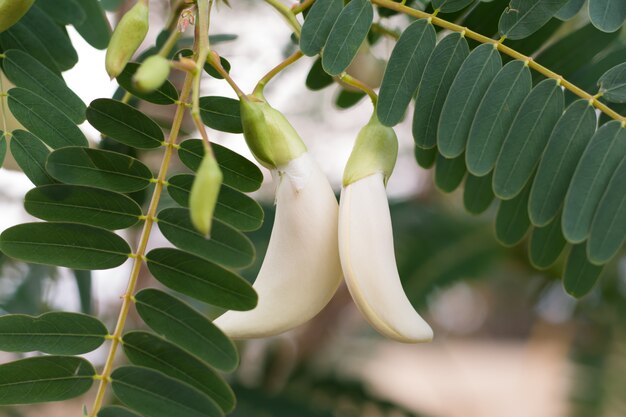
{"type": "Point", "coordinates": [127, 37]}
{"type": "Point", "coordinates": [204, 193]}
{"type": "Point", "coordinates": [375, 151]}
{"type": "Point", "coordinates": [11, 11]}
{"type": "Point", "coordinates": [152, 73]}
{"type": "Point", "coordinates": [270, 137]}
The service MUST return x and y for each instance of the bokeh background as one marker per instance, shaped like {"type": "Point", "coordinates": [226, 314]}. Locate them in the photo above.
{"type": "Point", "coordinates": [509, 342]}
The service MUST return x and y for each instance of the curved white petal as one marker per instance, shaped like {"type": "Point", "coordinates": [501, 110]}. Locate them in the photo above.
{"type": "Point", "coordinates": [301, 270]}
{"type": "Point", "coordinates": [369, 263]}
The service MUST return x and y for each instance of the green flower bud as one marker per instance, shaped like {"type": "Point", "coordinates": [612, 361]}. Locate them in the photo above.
{"type": "Point", "coordinates": [151, 74]}
{"type": "Point", "coordinates": [270, 137]}
{"type": "Point", "coordinates": [11, 11]}
{"type": "Point", "coordinates": [204, 192]}
{"type": "Point", "coordinates": [127, 37]}
{"type": "Point", "coordinates": [375, 150]}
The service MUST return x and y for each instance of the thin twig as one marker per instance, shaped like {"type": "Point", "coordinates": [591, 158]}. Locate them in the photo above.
{"type": "Point", "coordinates": [276, 70]}
{"type": "Point", "coordinates": [288, 14]}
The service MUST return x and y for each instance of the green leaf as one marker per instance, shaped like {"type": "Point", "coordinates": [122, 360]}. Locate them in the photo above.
{"type": "Point", "coordinates": [79, 204]}
{"type": "Point", "coordinates": [165, 94]}
{"type": "Point", "coordinates": [124, 123]}
{"type": "Point", "coordinates": [404, 71]}
{"type": "Point", "coordinates": [347, 35]}
{"type": "Point", "coordinates": [98, 168]}
{"type": "Point", "coordinates": [70, 245]}
{"type": "Point", "coordinates": [317, 79]}
{"type": "Point", "coordinates": [58, 333]}
{"type": "Point", "coordinates": [3, 147]}
{"type": "Point", "coordinates": [613, 84]}
{"type": "Point", "coordinates": [449, 173]}
{"type": "Point", "coordinates": [226, 246]}
{"type": "Point", "coordinates": [25, 71]}
{"type": "Point", "coordinates": [524, 17]}
{"type": "Point", "coordinates": [43, 379]}
{"type": "Point", "coordinates": [179, 323]}
{"type": "Point", "coordinates": [116, 411]}
{"type": "Point", "coordinates": [527, 139]}
{"type": "Point", "coordinates": [318, 24]}
{"type": "Point", "coordinates": [608, 229]}
{"type": "Point", "coordinates": [19, 36]}
{"type": "Point", "coordinates": [546, 244]}
{"type": "Point", "coordinates": [44, 120]}
{"type": "Point", "coordinates": [238, 171]}
{"type": "Point", "coordinates": [495, 116]}
{"type": "Point", "coordinates": [221, 113]}
{"type": "Point", "coordinates": [512, 220]}
{"type": "Point", "coordinates": [565, 147]}
{"type": "Point", "coordinates": [30, 154]}
{"type": "Point", "coordinates": [146, 349]}
{"type": "Point", "coordinates": [450, 6]}
{"type": "Point", "coordinates": [156, 395]}
{"type": "Point", "coordinates": [580, 275]}
{"type": "Point", "coordinates": [607, 15]}
{"type": "Point", "coordinates": [50, 33]}
{"type": "Point", "coordinates": [569, 9]}
{"type": "Point", "coordinates": [439, 73]}
{"type": "Point", "coordinates": [233, 207]}
{"type": "Point", "coordinates": [200, 279]}
{"type": "Point", "coordinates": [478, 194]}
{"type": "Point", "coordinates": [574, 51]}
{"type": "Point", "coordinates": [465, 95]}
{"type": "Point", "coordinates": [426, 157]}
{"type": "Point", "coordinates": [95, 29]}
{"type": "Point", "coordinates": [346, 99]}
{"type": "Point", "coordinates": [591, 178]}
{"type": "Point", "coordinates": [64, 12]}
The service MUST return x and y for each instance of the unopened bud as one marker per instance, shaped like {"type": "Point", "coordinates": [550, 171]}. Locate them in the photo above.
{"type": "Point", "coordinates": [269, 135]}
{"type": "Point", "coordinates": [151, 74]}
{"type": "Point", "coordinates": [204, 193]}
{"type": "Point", "coordinates": [375, 151]}
{"type": "Point", "coordinates": [11, 11]}
{"type": "Point", "coordinates": [127, 37]}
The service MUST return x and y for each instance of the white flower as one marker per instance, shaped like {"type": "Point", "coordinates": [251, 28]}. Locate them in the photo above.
{"type": "Point", "coordinates": [301, 270]}
{"type": "Point", "coordinates": [366, 238]}
{"type": "Point", "coordinates": [369, 263]}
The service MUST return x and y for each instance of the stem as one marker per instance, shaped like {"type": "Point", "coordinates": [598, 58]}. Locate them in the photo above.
{"type": "Point", "coordinates": [348, 79]}
{"type": "Point", "coordinates": [276, 70]}
{"type": "Point", "coordinates": [3, 98]}
{"type": "Point", "coordinates": [139, 256]}
{"type": "Point", "coordinates": [299, 8]}
{"type": "Point", "coordinates": [169, 43]}
{"type": "Point", "coordinates": [288, 14]}
{"type": "Point", "coordinates": [377, 27]}
{"type": "Point", "coordinates": [214, 60]}
{"type": "Point", "coordinates": [202, 37]}
{"type": "Point", "coordinates": [593, 100]}
{"type": "Point", "coordinates": [172, 20]}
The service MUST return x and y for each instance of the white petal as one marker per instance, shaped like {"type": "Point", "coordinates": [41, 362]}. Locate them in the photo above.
{"type": "Point", "coordinates": [301, 270]}
{"type": "Point", "coordinates": [369, 263]}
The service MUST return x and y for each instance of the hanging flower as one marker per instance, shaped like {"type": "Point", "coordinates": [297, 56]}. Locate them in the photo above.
{"type": "Point", "coordinates": [366, 239]}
